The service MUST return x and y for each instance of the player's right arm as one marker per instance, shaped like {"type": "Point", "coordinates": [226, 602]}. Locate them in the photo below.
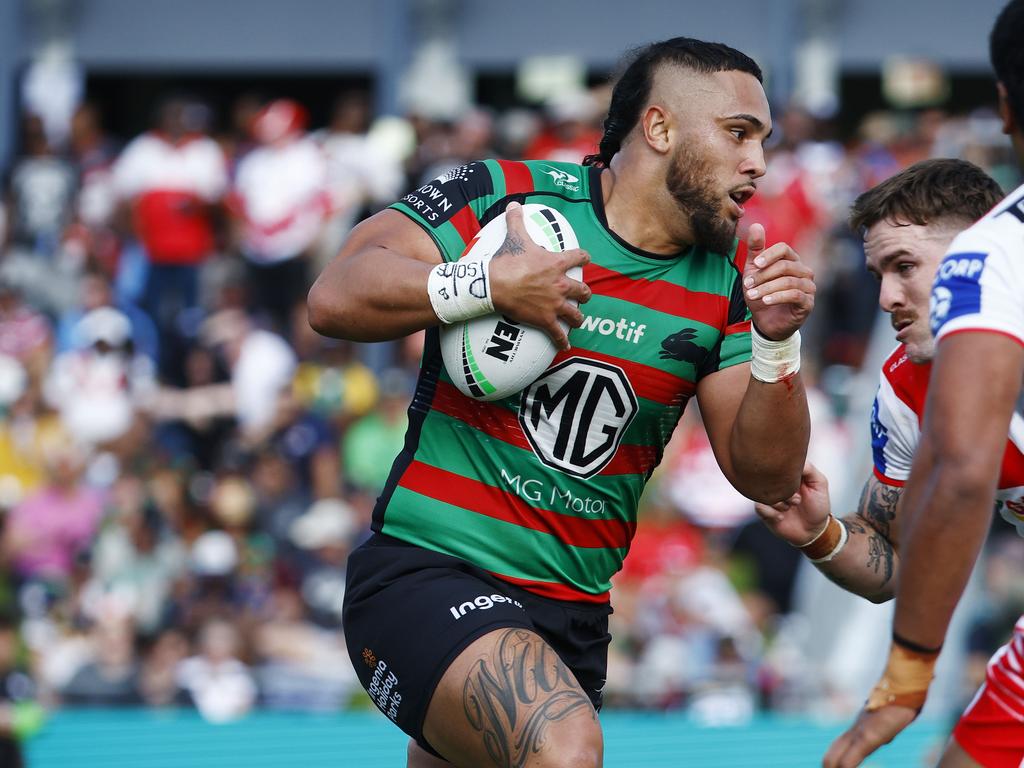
{"type": "Point", "coordinates": [868, 562]}
{"type": "Point", "coordinates": [375, 289]}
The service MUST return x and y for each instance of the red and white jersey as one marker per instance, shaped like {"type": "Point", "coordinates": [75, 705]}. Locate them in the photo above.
{"type": "Point", "coordinates": [979, 287]}
{"type": "Point", "coordinates": [896, 430]}
{"type": "Point", "coordinates": [283, 196]}
{"type": "Point", "coordinates": [170, 183]}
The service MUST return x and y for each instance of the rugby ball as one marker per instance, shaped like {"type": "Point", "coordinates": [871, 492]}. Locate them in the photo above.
{"type": "Point", "coordinates": [492, 356]}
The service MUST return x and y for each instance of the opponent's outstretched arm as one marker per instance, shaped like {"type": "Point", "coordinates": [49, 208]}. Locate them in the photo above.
{"type": "Point", "coordinates": [375, 289]}
{"type": "Point", "coordinates": [867, 562]}
{"type": "Point", "coordinates": [759, 429]}
{"type": "Point", "coordinates": [948, 502]}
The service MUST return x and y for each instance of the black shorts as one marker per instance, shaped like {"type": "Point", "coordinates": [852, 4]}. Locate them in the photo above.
{"type": "Point", "coordinates": [409, 612]}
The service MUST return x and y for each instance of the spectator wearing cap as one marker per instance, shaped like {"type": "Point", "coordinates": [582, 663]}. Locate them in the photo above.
{"type": "Point", "coordinates": [98, 389]}
{"type": "Point", "coordinates": [95, 291]}
{"type": "Point", "coordinates": [280, 199]}
{"type": "Point", "coordinates": [210, 590]}
{"type": "Point", "coordinates": [326, 532]}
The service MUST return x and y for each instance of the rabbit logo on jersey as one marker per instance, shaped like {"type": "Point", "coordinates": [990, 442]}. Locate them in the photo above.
{"type": "Point", "coordinates": [957, 289]}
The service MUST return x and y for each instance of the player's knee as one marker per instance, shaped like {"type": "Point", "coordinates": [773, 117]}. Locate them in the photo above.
{"type": "Point", "coordinates": [581, 746]}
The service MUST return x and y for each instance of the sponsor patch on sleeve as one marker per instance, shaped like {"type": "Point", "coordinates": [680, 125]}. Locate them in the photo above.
{"type": "Point", "coordinates": [879, 439]}
{"type": "Point", "coordinates": [957, 288]}
{"type": "Point", "coordinates": [441, 198]}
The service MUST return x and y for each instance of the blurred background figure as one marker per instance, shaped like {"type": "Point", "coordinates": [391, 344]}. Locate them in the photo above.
{"type": "Point", "coordinates": [96, 291]}
{"type": "Point", "coordinates": [361, 176]}
{"type": "Point", "coordinates": [41, 196]}
{"type": "Point", "coordinates": [111, 677]}
{"type": "Point", "coordinates": [218, 682]}
{"type": "Point", "coordinates": [20, 713]}
{"type": "Point", "coordinates": [99, 387]}
{"type": "Point", "coordinates": [170, 182]}
{"type": "Point", "coordinates": [280, 197]}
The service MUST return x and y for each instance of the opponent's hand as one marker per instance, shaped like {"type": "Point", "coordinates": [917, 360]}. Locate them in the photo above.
{"type": "Point", "coordinates": [801, 517]}
{"type": "Point", "coordinates": [871, 731]}
{"type": "Point", "coordinates": [529, 284]}
{"type": "Point", "coordinates": [778, 288]}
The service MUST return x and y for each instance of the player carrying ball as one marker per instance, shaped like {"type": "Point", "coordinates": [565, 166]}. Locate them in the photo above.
{"type": "Point", "coordinates": [477, 613]}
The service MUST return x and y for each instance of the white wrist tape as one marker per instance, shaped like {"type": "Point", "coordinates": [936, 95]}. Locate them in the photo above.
{"type": "Point", "coordinates": [844, 536]}
{"type": "Point", "coordinates": [772, 361]}
{"type": "Point", "coordinates": [460, 290]}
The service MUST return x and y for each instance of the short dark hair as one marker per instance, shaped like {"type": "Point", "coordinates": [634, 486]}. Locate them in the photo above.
{"type": "Point", "coordinates": [634, 84]}
{"type": "Point", "coordinates": [1006, 49]}
{"type": "Point", "coordinates": [928, 191]}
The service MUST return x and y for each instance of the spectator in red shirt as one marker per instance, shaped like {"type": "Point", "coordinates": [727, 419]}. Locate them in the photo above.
{"type": "Point", "coordinates": [172, 179]}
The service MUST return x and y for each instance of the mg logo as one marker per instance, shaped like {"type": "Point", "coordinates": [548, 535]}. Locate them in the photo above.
{"type": "Point", "coordinates": [576, 414]}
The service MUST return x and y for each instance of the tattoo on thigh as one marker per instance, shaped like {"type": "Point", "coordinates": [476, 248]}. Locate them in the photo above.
{"type": "Point", "coordinates": [512, 696]}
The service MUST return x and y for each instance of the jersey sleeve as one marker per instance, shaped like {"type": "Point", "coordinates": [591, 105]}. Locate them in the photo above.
{"type": "Point", "coordinates": [979, 287]}
{"type": "Point", "coordinates": [450, 206]}
{"type": "Point", "coordinates": [895, 433]}
{"type": "Point", "coordinates": [733, 345]}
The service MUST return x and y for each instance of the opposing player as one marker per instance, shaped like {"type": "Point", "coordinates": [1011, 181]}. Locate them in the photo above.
{"type": "Point", "coordinates": [908, 222]}
{"type": "Point", "coordinates": [477, 614]}
{"type": "Point", "coordinates": [974, 398]}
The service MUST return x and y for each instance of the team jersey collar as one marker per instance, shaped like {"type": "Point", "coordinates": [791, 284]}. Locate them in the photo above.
{"type": "Point", "coordinates": [597, 200]}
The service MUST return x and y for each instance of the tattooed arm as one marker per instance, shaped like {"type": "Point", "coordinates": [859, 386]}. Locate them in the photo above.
{"type": "Point", "coordinates": [868, 562]}
{"type": "Point", "coordinates": [375, 289]}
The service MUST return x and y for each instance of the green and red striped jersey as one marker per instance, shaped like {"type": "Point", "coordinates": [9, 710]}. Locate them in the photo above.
{"type": "Point", "coordinates": [542, 488]}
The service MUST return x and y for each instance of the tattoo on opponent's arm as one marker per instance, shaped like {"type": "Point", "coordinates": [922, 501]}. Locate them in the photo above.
{"type": "Point", "coordinates": [512, 696]}
{"type": "Point", "coordinates": [877, 510]}
{"type": "Point", "coordinates": [878, 506]}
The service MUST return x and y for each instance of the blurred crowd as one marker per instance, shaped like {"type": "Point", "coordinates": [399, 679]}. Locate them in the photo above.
{"type": "Point", "coordinates": [185, 464]}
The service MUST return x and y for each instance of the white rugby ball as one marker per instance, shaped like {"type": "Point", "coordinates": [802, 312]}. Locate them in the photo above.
{"type": "Point", "coordinates": [492, 356]}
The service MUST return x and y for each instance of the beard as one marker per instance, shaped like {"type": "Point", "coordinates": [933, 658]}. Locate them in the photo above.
{"type": "Point", "coordinates": [690, 183]}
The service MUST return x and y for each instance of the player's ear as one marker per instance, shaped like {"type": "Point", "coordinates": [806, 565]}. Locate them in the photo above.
{"type": "Point", "coordinates": [1005, 111]}
{"type": "Point", "coordinates": [655, 123]}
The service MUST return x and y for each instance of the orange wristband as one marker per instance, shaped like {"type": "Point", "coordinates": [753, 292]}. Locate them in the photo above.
{"type": "Point", "coordinates": [905, 680]}
{"type": "Point", "coordinates": [827, 542]}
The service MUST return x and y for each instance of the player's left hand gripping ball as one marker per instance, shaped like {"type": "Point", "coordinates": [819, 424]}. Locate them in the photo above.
{"type": "Point", "coordinates": [778, 287]}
